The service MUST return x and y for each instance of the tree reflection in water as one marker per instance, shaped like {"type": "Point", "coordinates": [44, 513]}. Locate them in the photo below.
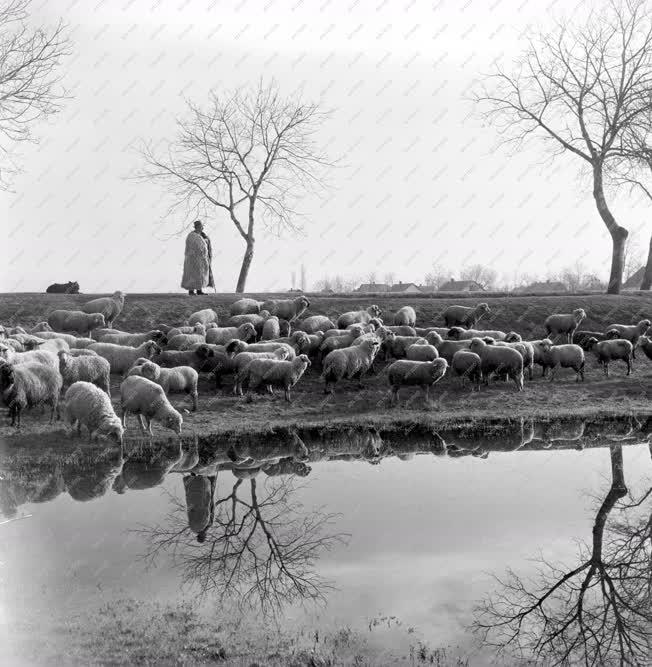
{"type": "Point", "coordinates": [597, 613]}
{"type": "Point", "coordinates": [260, 551]}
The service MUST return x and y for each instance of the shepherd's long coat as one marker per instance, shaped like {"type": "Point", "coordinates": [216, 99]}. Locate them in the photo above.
{"type": "Point", "coordinates": [197, 263]}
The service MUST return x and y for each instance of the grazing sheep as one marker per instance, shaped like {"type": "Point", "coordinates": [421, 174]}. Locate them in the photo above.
{"type": "Point", "coordinates": [71, 287]}
{"type": "Point", "coordinates": [109, 306]}
{"type": "Point", "coordinates": [198, 329]}
{"type": "Point", "coordinates": [92, 369]}
{"type": "Point", "coordinates": [423, 374]}
{"type": "Point", "coordinates": [243, 359]}
{"type": "Point", "coordinates": [147, 400]}
{"type": "Point", "coordinates": [525, 349]}
{"type": "Point", "coordinates": [405, 316]}
{"type": "Point", "coordinates": [617, 349]}
{"type": "Point", "coordinates": [315, 323]}
{"type": "Point", "coordinates": [421, 352]}
{"type": "Point", "coordinates": [134, 340]}
{"type": "Point", "coordinates": [645, 343]}
{"type": "Point", "coordinates": [540, 350]}
{"type": "Point", "coordinates": [178, 380]}
{"type": "Point", "coordinates": [33, 356]}
{"type": "Point", "coordinates": [269, 372]}
{"type": "Point", "coordinates": [185, 341]}
{"type": "Point", "coordinates": [565, 356]}
{"type": "Point", "coordinates": [564, 323]}
{"type": "Point", "coordinates": [54, 345]}
{"type": "Point", "coordinates": [446, 348]}
{"type": "Point", "coordinates": [467, 364]}
{"type": "Point", "coordinates": [298, 340]}
{"type": "Point", "coordinates": [464, 316]}
{"type": "Point", "coordinates": [121, 357]}
{"type": "Point", "coordinates": [396, 346]}
{"type": "Point", "coordinates": [358, 316]}
{"type": "Point", "coordinates": [271, 328]}
{"type": "Point", "coordinates": [224, 335]}
{"type": "Point", "coordinates": [89, 406]}
{"type": "Point", "coordinates": [245, 307]}
{"type": "Point", "coordinates": [630, 332]}
{"type": "Point", "coordinates": [287, 309]}
{"type": "Point", "coordinates": [200, 358]}
{"type": "Point", "coordinates": [75, 320]}
{"type": "Point", "coordinates": [500, 360]}
{"type": "Point", "coordinates": [316, 340]}
{"type": "Point", "coordinates": [457, 333]}
{"type": "Point", "coordinates": [235, 347]}
{"type": "Point", "coordinates": [205, 316]}
{"type": "Point", "coordinates": [513, 337]}
{"type": "Point", "coordinates": [402, 330]}
{"type": "Point", "coordinates": [25, 385]}
{"type": "Point", "coordinates": [582, 337]}
{"type": "Point", "coordinates": [349, 363]}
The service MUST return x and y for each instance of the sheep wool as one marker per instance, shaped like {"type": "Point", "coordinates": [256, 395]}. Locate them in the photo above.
{"type": "Point", "coordinates": [271, 328]}
{"type": "Point", "coordinates": [465, 316]}
{"type": "Point", "coordinates": [134, 340]}
{"type": "Point", "coordinates": [564, 324]}
{"type": "Point", "coordinates": [148, 402]}
{"type": "Point", "coordinates": [358, 316]}
{"type": "Point", "coordinates": [245, 307]}
{"type": "Point", "coordinates": [422, 374]}
{"type": "Point", "coordinates": [421, 352]}
{"type": "Point", "coordinates": [205, 316]}
{"type": "Point", "coordinates": [89, 406]}
{"type": "Point", "coordinates": [178, 380]}
{"type": "Point", "coordinates": [405, 316]}
{"type": "Point", "coordinates": [75, 320]}
{"type": "Point", "coordinates": [632, 332]}
{"type": "Point", "coordinates": [223, 335]}
{"type": "Point", "coordinates": [612, 350]}
{"type": "Point", "coordinates": [87, 368]}
{"type": "Point", "coordinates": [121, 357]}
{"type": "Point", "coordinates": [270, 373]}
{"type": "Point", "coordinates": [349, 363]}
{"type": "Point", "coordinates": [27, 385]}
{"type": "Point", "coordinates": [467, 364]}
{"type": "Point", "coordinates": [287, 309]}
{"type": "Point", "coordinates": [315, 323]}
{"type": "Point", "coordinates": [109, 306]}
{"type": "Point", "coordinates": [500, 360]}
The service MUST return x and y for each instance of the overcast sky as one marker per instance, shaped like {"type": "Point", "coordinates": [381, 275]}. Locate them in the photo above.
{"type": "Point", "coordinates": [423, 182]}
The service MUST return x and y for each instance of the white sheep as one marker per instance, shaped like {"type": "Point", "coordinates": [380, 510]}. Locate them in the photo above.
{"type": "Point", "coordinates": [645, 343]}
{"type": "Point", "coordinates": [75, 320]}
{"type": "Point", "coordinates": [223, 335]}
{"type": "Point", "coordinates": [9, 355]}
{"type": "Point", "coordinates": [467, 364]}
{"type": "Point", "coordinates": [349, 363]}
{"type": "Point", "coordinates": [337, 342]}
{"type": "Point", "coordinates": [121, 357]}
{"type": "Point", "coordinates": [243, 359]}
{"type": "Point", "coordinates": [40, 327]}
{"type": "Point", "coordinates": [540, 349]}
{"type": "Point", "coordinates": [109, 306]}
{"type": "Point", "coordinates": [186, 341]}
{"type": "Point", "coordinates": [245, 307]}
{"type": "Point", "coordinates": [234, 347]}
{"type": "Point", "coordinates": [200, 358]}
{"type": "Point", "coordinates": [271, 328]}
{"type": "Point", "coordinates": [96, 334]}
{"type": "Point", "coordinates": [270, 373]}
{"type": "Point", "coordinates": [298, 340]}
{"type": "Point", "coordinates": [465, 316]}
{"type": "Point", "coordinates": [256, 319]}
{"type": "Point", "coordinates": [74, 342]}
{"type": "Point", "coordinates": [500, 360]}
{"type": "Point", "coordinates": [135, 339]}
{"type": "Point", "coordinates": [93, 369]}
{"type": "Point", "coordinates": [631, 332]}
{"type": "Point", "coordinates": [423, 374]}
{"type": "Point", "coordinates": [401, 330]}
{"type": "Point", "coordinates": [54, 345]}
{"type": "Point", "coordinates": [27, 385]}
{"type": "Point", "coordinates": [82, 353]}
{"type": "Point", "coordinates": [421, 352]}
{"type": "Point", "coordinates": [178, 380]}
{"type": "Point", "coordinates": [457, 333]}
{"type": "Point", "coordinates": [424, 331]}
{"type": "Point", "coordinates": [198, 328]}
{"type": "Point", "coordinates": [565, 356]}
{"type": "Point", "coordinates": [396, 346]}
{"type": "Point", "coordinates": [446, 348]}
{"type": "Point", "coordinates": [358, 316]}
{"type": "Point", "coordinates": [148, 401]}
{"type": "Point", "coordinates": [205, 316]}
{"type": "Point", "coordinates": [564, 323]}
{"type": "Point", "coordinates": [315, 323]}
{"type": "Point", "coordinates": [406, 316]}
{"type": "Point", "coordinates": [526, 349]}
{"type": "Point", "coordinates": [606, 351]}
{"type": "Point", "coordinates": [287, 309]}
{"type": "Point", "coordinates": [89, 406]}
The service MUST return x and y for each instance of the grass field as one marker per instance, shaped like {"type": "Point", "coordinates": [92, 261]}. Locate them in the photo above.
{"type": "Point", "coordinates": [219, 411]}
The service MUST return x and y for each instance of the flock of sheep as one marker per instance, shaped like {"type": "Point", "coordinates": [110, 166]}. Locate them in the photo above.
{"type": "Point", "coordinates": [271, 344]}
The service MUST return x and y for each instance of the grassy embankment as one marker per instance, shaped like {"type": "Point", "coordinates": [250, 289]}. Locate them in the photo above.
{"type": "Point", "coordinates": [220, 412]}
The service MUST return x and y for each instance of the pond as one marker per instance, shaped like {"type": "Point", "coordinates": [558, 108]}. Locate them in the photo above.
{"type": "Point", "coordinates": [531, 537]}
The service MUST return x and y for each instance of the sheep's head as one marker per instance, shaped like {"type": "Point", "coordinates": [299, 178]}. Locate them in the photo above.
{"type": "Point", "coordinates": [199, 329]}
{"type": "Point", "coordinates": [611, 334]}
{"type": "Point", "coordinates": [6, 375]}
{"type": "Point", "coordinates": [235, 347]}
{"type": "Point", "coordinates": [579, 314]}
{"type": "Point", "coordinates": [455, 333]}
{"type": "Point", "coordinates": [356, 330]}
{"type": "Point", "coordinates": [282, 353]}
{"type": "Point", "coordinates": [301, 341]}
{"type": "Point", "coordinates": [32, 344]}
{"type": "Point", "coordinates": [264, 314]}
{"type": "Point", "coordinates": [476, 345]}
{"type": "Point", "coordinates": [42, 326]}
{"type": "Point", "coordinates": [489, 340]}
{"type": "Point", "coordinates": [247, 331]}
{"type": "Point", "coordinates": [513, 337]}
{"type": "Point", "coordinates": [211, 325]}
{"type": "Point", "coordinates": [5, 351]}
{"type": "Point", "coordinates": [173, 421]}
{"type": "Point", "coordinates": [151, 348]}
{"type": "Point", "coordinates": [150, 371]}
{"type": "Point", "coordinates": [303, 359]}
{"type": "Point", "coordinates": [438, 368]}
{"type": "Point", "coordinates": [545, 344]}
{"type": "Point", "coordinates": [370, 344]}
{"type": "Point", "coordinates": [301, 303]}
{"type": "Point", "coordinates": [590, 343]}
{"type": "Point", "coordinates": [159, 337]}
{"type": "Point", "coordinates": [482, 309]}
{"type": "Point", "coordinates": [376, 322]}
{"type": "Point", "coordinates": [374, 310]}
{"type": "Point", "coordinates": [120, 296]}
{"type": "Point", "coordinates": [97, 321]}
{"type": "Point", "coordinates": [643, 326]}
{"type": "Point", "coordinates": [434, 338]}
{"type": "Point", "coordinates": [112, 430]}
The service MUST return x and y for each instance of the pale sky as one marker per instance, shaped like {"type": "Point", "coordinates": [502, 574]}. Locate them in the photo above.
{"type": "Point", "coordinates": [423, 182]}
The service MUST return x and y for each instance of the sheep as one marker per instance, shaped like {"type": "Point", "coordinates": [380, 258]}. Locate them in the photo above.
{"type": "Point", "coordinates": [316, 340]}
{"type": "Point", "coordinates": [540, 350]}
{"type": "Point", "coordinates": [44, 357]}
{"type": "Point", "coordinates": [147, 400]}
{"type": "Point", "coordinates": [181, 379]}
{"type": "Point", "coordinates": [464, 316]}
{"type": "Point", "coordinates": [94, 369]}
{"type": "Point", "coordinates": [109, 306]}
{"type": "Point", "coordinates": [223, 335]}
{"type": "Point", "coordinates": [284, 328]}
{"type": "Point", "coordinates": [337, 332]}
{"type": "Point", "coordinates": [185, 341]}
{"type": "Point", "coordinates": [582, 337]}
{"type": "Point", "coordinates": [564, 356]}
{"type": "Point", "coordinates": [73, 341]}
{"type": "Point", "coordinates": [271, 328]}
{"type": "Point", "coordinates": [15, 345]}
{"type": "Point", "coordinates": [315, 323]}
{"type": "Point", "coordinates": [270, 372]}
{"type": "Point", "coordinates": [405, 316]}
{"type": "Point", "coordinates": [269, 346]}
{"type": "Point", "coordinates": [198, 328]}
{"type": "Point", "coordinates": [401, 330]}
{"type": "Point", "coordinates": [446, 348]}
{"type": "Point", "coordinates": [467, 364]}
{"type": "Point", "coordinates": [457, 333]}
{"type": "Point", "coordinates": [40, 327]}
{"type": "Point", "coordinates": [564, 323]}
{"type": "Point", "coordinates": [54, 345]}
{"type": "Point", "coordinates": [96, 334]}
{"type": "Point", "coordinates": [205, 316]}
{"type": "Point", "coordinates": [136, 339]}
{"type": "Point", "coordinates": [71, 287]}
{"type": "Point", "coordinates": [645, 343]}
{"type": "Point", "coordinates": [15, 330]}
{"type": "Point", "coordinates": [424, 331]}
{"type": "Point", "coordinates": [201, 358]}
{"type": "Point", "coordinates": [89, 406]}
{"type": "Point", "coordinates": [245, 307]}
{"type": "Point", "coordinates": [396, 346]}
{"type": "Point", "coordinates": [349, 363]}
{"type": "Point", "coordinates": [500, 360]}
{"type": "Point", "coordinates": [82, 353]}
{"type": "Point", "coordinates": [421, 352]}
{"type": "Point", "coordinates": [243, 359]}
{"type": "Point", "coordinates": [513, 337]}
{"type": "Point", "coordinates": [298, 340]}
{"type": "Point", "coordinates": [415, 373]}
{"type": "Point", "coordinates": [121, 357]}
{"type": "Point", "coordinates": [358, 316]}
{"type": "Point", "coordinates": [75, 320]}
{"type": "Point", "coordinates": [612, 350]}
{"type": "Point", "coordinates": [526, 350]}
{"type": "Point", "coordinates": [337, 343]}
{"type": "Point", "coordinates": [630, 332]}
{"type": "Point", "coordinates": [25, 385]}
{"type": "Point", "coordinates": [256, 320]}
{"type": "Point", "coordinates": [287, 309]}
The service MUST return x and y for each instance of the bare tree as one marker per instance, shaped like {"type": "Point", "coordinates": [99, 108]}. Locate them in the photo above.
{"type": "Point", "coordinates": [252, 154]}
{"type": "Point", "coordinates": [389, 278]}
{"type": "Point", "coordinates": [437, 277]}
{"type": "Point", "coordinates": [580, 88]}
{"type": "Point", "coordinates": [30, 83]}
{"type": "Point", "coordinates": [483, 275]}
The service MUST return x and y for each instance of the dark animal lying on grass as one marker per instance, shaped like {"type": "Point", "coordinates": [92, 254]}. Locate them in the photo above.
{"type": "Point", "coordinates": [63, 288]}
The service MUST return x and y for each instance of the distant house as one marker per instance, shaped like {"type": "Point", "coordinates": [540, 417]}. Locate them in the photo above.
{"type": "Point", "coordinates": [405, 288]}
{"type": "Point", "coordinates": [544, 286]}
{"type": "Point", "coordinates": [373, 287]}
{"type": "Point", "coordinates": [635, 280]}
{"type": "Point", "coordinates": [461, 286]}
{"type": "Point", "coordinates": [427, 288]}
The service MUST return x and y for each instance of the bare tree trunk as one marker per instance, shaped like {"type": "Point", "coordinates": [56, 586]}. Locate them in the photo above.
{"type": "Point", "coordinates": [647, 275]}
{"type": "Point", "coordinates": [618, 234]}
{"type": "Point", "coordinates": [244, 269]}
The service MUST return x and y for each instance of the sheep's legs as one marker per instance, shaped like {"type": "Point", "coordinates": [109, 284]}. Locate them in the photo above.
{"type": "Point", "coordinates": [287, 395]}
{"type": "Point", "coordinates": [552, 374]}
{"type": "Point", "coordinates": [148, 421]}
{"type": "Point", "coordinates": [195, 398]}
{"type": "Point", "coordinates": [629, 367]}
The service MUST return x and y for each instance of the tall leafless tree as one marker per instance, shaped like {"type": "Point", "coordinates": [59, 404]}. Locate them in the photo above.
{"type": "Point", "coordinates": [30, 79]}
{"type": "Point", "coordinates": [252, 154]}
{"type": "Point", "coordinates": [579, 88]}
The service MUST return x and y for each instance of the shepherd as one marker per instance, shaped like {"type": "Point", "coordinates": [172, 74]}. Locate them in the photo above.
{"type": "Point", "coordinates": [200, 503]}
{"type": "Point", "coordinates": [197, 269]}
